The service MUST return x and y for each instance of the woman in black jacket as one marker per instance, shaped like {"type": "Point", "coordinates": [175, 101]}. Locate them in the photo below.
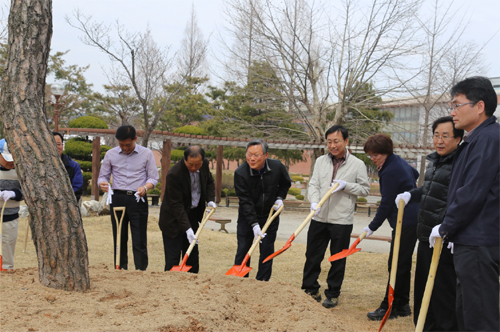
{"type": "Point", "coordinates": [432, 197]}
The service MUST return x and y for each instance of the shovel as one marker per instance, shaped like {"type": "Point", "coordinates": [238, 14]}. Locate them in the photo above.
{"type": "Point", "coordinates": [429, 285]}
{"type": "Point", "coordinates": [1, 231]}
{"type": "Point", "coordinates": [183, 267]}
{"type": "Point", "coordinates": [346, 252]}
{"type": "Point", "coordinates": [288, 243]}
{"type": "Point", "coordinates": [395, 257]}
{"type": "Point", "coordinates": [242, 270]}
{"type": "Point", "coordinates": [118, 233]}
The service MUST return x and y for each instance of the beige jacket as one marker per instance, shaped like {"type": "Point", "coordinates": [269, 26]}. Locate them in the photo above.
{"type": "Point", "coordinates": [339, 208]}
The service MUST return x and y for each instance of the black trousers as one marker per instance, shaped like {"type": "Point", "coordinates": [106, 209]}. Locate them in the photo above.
{"type": "Point", "coordinates": [318, 237]}
{"type": "Point", "coordinates": [136, 214]}
{"type": "Point", "coordinates": [441, 315]}
{"type": "Point", "coordinates": [245, 237]}
{"type": "Point", "coordinates": [403, 274]}
{"type": "Point", "coordinates": [175, 248]}
{"type": "Point", "coordinates": [477, 271]}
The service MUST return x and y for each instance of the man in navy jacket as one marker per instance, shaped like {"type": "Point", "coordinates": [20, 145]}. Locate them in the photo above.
{"type": "Point", "coordinates": [473, 214]}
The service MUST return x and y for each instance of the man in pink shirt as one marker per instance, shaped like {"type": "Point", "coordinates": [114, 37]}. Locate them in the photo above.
{"type": "Point", "coordinates": [134, 172]}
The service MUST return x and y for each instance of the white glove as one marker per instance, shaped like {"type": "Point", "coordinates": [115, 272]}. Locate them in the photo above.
{"type": "Point", "coordinates": [211, 205]}
{"type": "Point", "coordinates": [341, 185]}
{"type": "Point", "coordinates": [313, 207]}
{"type": "Point", "coordinates": [406, 196]}
{"type": "Point", "coordinates": [368, 230]}
{"type": "Point", "coordinates": [138, 198]}
{"type": "Point", "coordinates": [434, 235]}
{"type": "Point", "coordinates": [109, 200]}
{"type": "Point", "coordinates": [450, 246]}
{"type": "Point", "coordinates": [258, 232]}
{"type": "Point", "coordinates": [190, 235]}
{"type": "Point", "coordinates": [277, 204]}
{"type": "Point", "coordinates": [7, 194]}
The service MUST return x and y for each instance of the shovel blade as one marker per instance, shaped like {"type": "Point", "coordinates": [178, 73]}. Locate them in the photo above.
{"type": "Point", "coordinates": [388, 312]}
{"type": "Point", "coordinates": [343, 254]}
{"type": "Point", "coordinates": [287, 245]}
{"type": "Point", "coordinates": [181, 268]}
{"type": "Point", "coordinates": [239, 270]}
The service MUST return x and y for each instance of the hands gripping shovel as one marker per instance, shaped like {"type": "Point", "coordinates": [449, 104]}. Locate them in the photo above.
{"type": "Point", "coordinates": [395, 257]}
{"type": "Point", "coordinates": [429, 285]}
{"type": "Point", "coordinates": [183, 267]}
{"type": "Point", "coordinates": [243, 269]}
{"type": "Point", "coordinates": [288, 243]}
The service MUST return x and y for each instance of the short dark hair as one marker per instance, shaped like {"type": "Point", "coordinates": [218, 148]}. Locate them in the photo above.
{"type": "Point", "coordinates": [379, 143]}
{"type": "Point", "coordinates": [342, 129]}
{"type": "Point", "coordinates": [125, 132]}
{"type": "Point", "coordinates": [258, 141]}
{"type": "Point", "coordinates": [444, 119]}
{"type": "Point", "coordinates": [194, 151]}
{"type": "Point", "coordinates": [475, 89]}
{"type": "Point", "coordinates": [55, 133]}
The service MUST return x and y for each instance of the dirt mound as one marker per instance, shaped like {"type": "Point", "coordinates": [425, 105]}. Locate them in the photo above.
{"type": "Point", "coordinates": [160, 301]}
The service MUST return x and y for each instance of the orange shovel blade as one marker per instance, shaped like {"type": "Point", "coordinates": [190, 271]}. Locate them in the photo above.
{"type": "Point", "coordinates": [240, 270]}
{"type": "Point", "coordinates": [388, 312]}
{"type": "Point", "coordinates": [287, 245]}
{"type": "Point", "coordinates": [183, 267]}
{"type": "Point", "coordinates": [346, 252]}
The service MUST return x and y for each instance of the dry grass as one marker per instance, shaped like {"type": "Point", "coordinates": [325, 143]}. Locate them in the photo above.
{"type": "Point", "coordinates": [362, 291]}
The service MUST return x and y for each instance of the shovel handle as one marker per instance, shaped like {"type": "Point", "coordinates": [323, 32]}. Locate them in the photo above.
{"type": "Point", "coordinates": [1, 232]}
{"type": "Point", "coordinates": [429, 285]}
{"type": "Point", "coordinates": [118, 233]}
{"type": "Point", "coordinates": [320, 204]}
{"type": "Point", "coordinates": [397, 242]}
{"type": "Point", "coordinates": [198, 232]}
{"type": "Point", "coordinates": [270, 219]}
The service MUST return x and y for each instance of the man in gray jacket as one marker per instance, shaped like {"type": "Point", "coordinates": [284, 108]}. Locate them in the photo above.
{"type": "Point", "coordinates": [333, 222]}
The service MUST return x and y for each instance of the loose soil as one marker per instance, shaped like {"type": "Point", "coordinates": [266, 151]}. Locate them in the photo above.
{"type": "Point", "coordinates": [177, 301]}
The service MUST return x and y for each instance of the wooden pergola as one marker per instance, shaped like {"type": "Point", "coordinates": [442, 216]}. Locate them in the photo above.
{"type": "Point", "coordinates": [169, 137]}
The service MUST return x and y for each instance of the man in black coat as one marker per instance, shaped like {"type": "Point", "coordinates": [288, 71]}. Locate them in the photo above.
{"type": "Point", "coordinates": [189, 186]}
{"type": "Point", "coordinates": [432, 197]}
{"type": "Point", "coordinates": [260, 184]}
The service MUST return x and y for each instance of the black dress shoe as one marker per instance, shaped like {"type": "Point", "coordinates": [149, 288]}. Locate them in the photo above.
{"type": "Point", "coordinates": [404, 311]}
{"type": "Point", "coordinates": [379, 314]}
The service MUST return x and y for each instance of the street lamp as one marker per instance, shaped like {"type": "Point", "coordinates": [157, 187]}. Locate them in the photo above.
{"type": "Point", "coordinates": [57, 90]}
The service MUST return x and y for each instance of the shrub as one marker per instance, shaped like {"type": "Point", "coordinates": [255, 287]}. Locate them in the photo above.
{"type": "Point", "coordinates": [361, 200]}
{"type": "Point", "coordinates": [88, 122]}
{"type": "Point", "coordinates": [294, 191]}
{"type": "Point", "coordinates": [299, 197]}
{"type": "Point", "coordinates": [223, 192]}
{"type": "Point", "coordinates": [154, 191]}
{"type": "Point", "coordinates": [86, 166]}
{"type": "Point", "coordinates": [296, 178]}
{"type": "Point", "coordinates": [231, 193]}
{"type": "Point", "coordinates": [176, 155]}
{"type": "Point", "coordinates": [227, 181]}
{"type": "Point", "coordinates": [191, 130]}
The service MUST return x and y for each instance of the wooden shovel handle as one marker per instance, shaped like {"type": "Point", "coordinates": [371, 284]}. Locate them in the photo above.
{"type": "Point", "coordinates": [429, 285]}
{"type": "Point", "coordinates": [397, 242]}
{"type": "Point", "coordinates": [320, 204]}
{"type": "Point", "coordinates": [200, 228]}
{"type": "Point", "coordinates": [264, 229]}
{"type": "Point", "coordinates": [1, 230]}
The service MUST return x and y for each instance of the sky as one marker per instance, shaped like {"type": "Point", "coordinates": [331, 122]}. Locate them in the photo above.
{"type": "Point", "coordinates": [167, 20]}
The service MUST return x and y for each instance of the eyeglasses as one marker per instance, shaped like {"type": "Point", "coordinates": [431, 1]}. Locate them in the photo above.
{"type": "Point", "coordinates": [455, 106]}
{"type": "Point", "coordinates": [373, 156]}
{"type": "Point", "coordinates": [444, 137]}
{"type": "Point", "coordinates": [250, 156]}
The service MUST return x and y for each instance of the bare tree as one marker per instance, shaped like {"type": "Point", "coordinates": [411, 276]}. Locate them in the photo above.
{"type": "Point", "coordinates": [324, 56]}
{"type": "Point", "coordinates": [118, 106]}
{"type": "Point", "coordinates": [140, 63]}
{"type": "Point", "coordinates": [444, 58]}
{"type": "Point", "coordinates": [56, 222]}
{"type": "Point", "coordinates": [193, 54]}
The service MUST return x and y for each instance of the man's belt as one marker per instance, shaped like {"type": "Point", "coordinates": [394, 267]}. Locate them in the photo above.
{"type": "Point", "coordinates": [124, 192]}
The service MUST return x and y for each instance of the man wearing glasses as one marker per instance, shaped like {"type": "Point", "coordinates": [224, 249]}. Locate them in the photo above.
{"type": "Point", "coordinates": [72, 167]}
{"type": "Point", "coordinates": [432, 197]}
{"type": "Point", "coordinates": [260, 184]}
{"type": "Point", "coordinates": [473, 207]}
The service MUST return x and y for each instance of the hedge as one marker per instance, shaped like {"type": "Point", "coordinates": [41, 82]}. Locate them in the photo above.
{"type": "Point", "coordinates": [296, 178]}
{"type": "Point", "coordinates": [191, 130]}
{"type": "Point", "coordinates": [294, 191]}
{"type": "Point", "coordinates": [88, 122]}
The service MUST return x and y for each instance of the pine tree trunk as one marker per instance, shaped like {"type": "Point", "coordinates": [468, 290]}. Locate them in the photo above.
{"type": "Point", "coordinates": [56, 223]}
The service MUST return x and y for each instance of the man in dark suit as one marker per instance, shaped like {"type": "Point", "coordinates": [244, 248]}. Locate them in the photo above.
{"type": "Point", "coordinates": [188, 186]}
